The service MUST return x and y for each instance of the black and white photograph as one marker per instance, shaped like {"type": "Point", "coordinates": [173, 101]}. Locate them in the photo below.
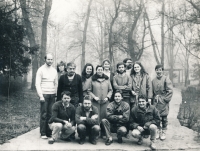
{"type": "Point", "coordinates": [113, 75]}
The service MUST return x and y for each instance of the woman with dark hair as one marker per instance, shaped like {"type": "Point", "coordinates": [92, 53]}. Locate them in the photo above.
{"type": "Point", "coordinates": [61, 68]}
{"type": "Point", "coordinates": [101, 91]}
{"type": "Point", "coordinates": [86, 75]}
{"type": "Point", "coordinates": [141, 83]}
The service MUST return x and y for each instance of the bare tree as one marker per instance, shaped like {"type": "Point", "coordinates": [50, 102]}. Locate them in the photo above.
{"type": "Point", "coordinates": [48, 4]}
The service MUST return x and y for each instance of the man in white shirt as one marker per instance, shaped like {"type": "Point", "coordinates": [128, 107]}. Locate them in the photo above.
{"type": "Point", "coordinates": [46, 85]}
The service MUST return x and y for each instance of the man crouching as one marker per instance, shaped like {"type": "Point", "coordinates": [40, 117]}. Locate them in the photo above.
{"type": "Point", "coordinates": [87, 121]}
{"type": "Point", "coordinates": [144, 120]}
{"type": "Point", "coordinates": [63, 119]}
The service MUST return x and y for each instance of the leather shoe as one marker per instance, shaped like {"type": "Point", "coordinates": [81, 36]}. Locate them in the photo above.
{"type": "Point", "coordinates": [108, 142]}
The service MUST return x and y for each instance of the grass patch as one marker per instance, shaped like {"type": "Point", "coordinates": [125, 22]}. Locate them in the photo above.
{"type": "Point", "coordinates": [19, 114]}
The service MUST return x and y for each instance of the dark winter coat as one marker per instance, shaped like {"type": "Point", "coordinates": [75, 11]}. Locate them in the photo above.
{"type": "Point", "coordinates": [142, 117]}
{"type": "Point", "coordinates": [113, 111]}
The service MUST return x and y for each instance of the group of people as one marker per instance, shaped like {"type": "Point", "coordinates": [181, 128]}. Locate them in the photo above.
{"type": "Point", "coordinates": [99, 103]}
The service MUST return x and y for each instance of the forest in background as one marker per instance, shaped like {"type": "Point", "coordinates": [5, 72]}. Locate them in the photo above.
{"type": "Point", "coordinates": [153, 32]}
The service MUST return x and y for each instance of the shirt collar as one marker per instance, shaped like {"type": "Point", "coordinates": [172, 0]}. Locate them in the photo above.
{"type": "Point", "coordinates": [66, 105]}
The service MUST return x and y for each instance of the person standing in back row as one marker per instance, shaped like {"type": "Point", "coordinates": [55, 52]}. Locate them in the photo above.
{"type": "Point", "coordinates": [162, 95]}
{"type": "Point", "coordinates": [46, 85]}
{"type": "Point", "coordinates": [71, 82]}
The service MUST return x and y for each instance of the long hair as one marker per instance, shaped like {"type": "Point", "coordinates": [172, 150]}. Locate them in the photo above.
{"type": "Point", "coordinates": [84, 71]}
{"type": "Point", "coordinates": [61, 63]}
{"type": "Point", "coordinates": [142, 71]}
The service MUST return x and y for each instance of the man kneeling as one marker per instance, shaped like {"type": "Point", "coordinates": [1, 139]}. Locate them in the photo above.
{"type": "Point", "coordinates": [117, 118]}
{"type": "Point", "coordinates": [144, 120]}
{"type": "Point", "coordinates": [87, 121]}
{"type": "Point", "coordinates": [63, 119]}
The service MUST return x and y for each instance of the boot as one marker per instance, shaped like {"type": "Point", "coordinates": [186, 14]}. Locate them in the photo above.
{"type": "Point", "coordinates": [153, 145]}
{"type": "Point", "coordinates": [158, 133]}
{"type": "Point", "coordinates": [163, 135]}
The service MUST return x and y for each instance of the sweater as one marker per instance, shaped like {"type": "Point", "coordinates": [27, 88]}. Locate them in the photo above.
{"type": "Point", "coordinates": [46, 80]}
{"type": "Point", "coordinates": [120, 81]}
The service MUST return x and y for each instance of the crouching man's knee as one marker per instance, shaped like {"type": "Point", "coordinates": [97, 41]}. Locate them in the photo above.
{"type": "Point", "coordinates": [136, 133]}
{"type": "Point", "coordinates": [153, 127]}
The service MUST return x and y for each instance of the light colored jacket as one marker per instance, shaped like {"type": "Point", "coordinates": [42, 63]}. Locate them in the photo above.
{"type": "Point", "coordinates": [164, 89]}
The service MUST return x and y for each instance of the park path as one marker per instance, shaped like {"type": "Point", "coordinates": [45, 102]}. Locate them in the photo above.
{"type": "Point", "coordinates": [178, 138]}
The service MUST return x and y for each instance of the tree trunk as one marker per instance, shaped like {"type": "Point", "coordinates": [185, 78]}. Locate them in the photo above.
{"type": "Point", "coordinates": [162, 34]}
{"type": "Point", "coordinates": [110, 39]}
{"type": "Point", "coordinates": [48, 4]}
{"type": "Point", "coordinates": [31, 38]}
{"type": "Point", "coordinates": [153, 42]}
{"type": "Point", "coordinates": [131, 42]}
{"type": "Point", "coordinates": [84, 35]}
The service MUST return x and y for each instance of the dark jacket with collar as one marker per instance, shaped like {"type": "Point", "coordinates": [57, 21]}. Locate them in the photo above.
{"type": "Point", "coordinates": [81, 112]}
{"type": "Point", "coordinates": [75, 87]}
{"type": "Point", "coordinates": [142, 117]}
{"type": "Point", "coordinates": [59, 114]}
{"type": "Point", "coordinates": [114, 110]}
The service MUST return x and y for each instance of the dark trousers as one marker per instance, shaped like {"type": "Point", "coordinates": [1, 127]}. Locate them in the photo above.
{"type": "Point", "coordinates": [91, 131]}
{"type": "Point", "coordinates": [120, 130]}
{"type": "Point", "coordinates": [164, 123]}
{"type": "Point", "coordinates": [45, 114]}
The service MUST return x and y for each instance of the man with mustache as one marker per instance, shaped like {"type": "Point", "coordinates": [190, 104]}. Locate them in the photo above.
{"type": "Point", "coordinates": [162, 95]}
{"type": "Point", "coordinates": [62, 119]}
{"type": "Point", "coordinates": [129, 65]}
{"type": "Point", "coordinates": [87, 121]}
{"type": "Point", "coordinates": [71, 82]}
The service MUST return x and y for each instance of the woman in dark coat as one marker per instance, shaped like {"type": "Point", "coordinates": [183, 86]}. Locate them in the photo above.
{"type": "Point", "coordinates": [86, 76]}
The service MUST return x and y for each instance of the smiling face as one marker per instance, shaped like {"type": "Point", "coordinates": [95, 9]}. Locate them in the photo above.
{"type": "Point", "coordinates": [118, 97]}
{"type": "Point", "coordinates": [106, 65]}
{"type": "Point", "coordinates": [49, 60]}
{"type": "Point", "coordinates": [142, 103]}
{"type": "Point", "coordinates": [66, 99]}
{"type": "Point", "coordinates": [88, 70]}
{"type": "Point", "coordinates": [100, 71]}
{"type": "Point", "coordinates": [159, 72]}
{"type": "Point", "coordinates": [137, 68]}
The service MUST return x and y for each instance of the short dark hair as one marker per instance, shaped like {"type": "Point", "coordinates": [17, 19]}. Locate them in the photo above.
{"type": "Point", "coordinates": [120, 63]}
{"type": "Point", "coordinates": [87, 97]}
{"type": "Point", "coordinates": [159, 66]}
{"type": "Point", "coordinates": [106, 60]}
{"type": "Point", "coordinates": [142, 97]}
{"type": "Point", "coordinates": [126, 59]}
{"type": "Point", "coordinates": [66, 93]}
{"type": "Point", "coordinates": [118, 91]}
{"type": "Point", "coordinates": [71, 64]}
{"type": "Point", "coordinates": [99, 66]}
